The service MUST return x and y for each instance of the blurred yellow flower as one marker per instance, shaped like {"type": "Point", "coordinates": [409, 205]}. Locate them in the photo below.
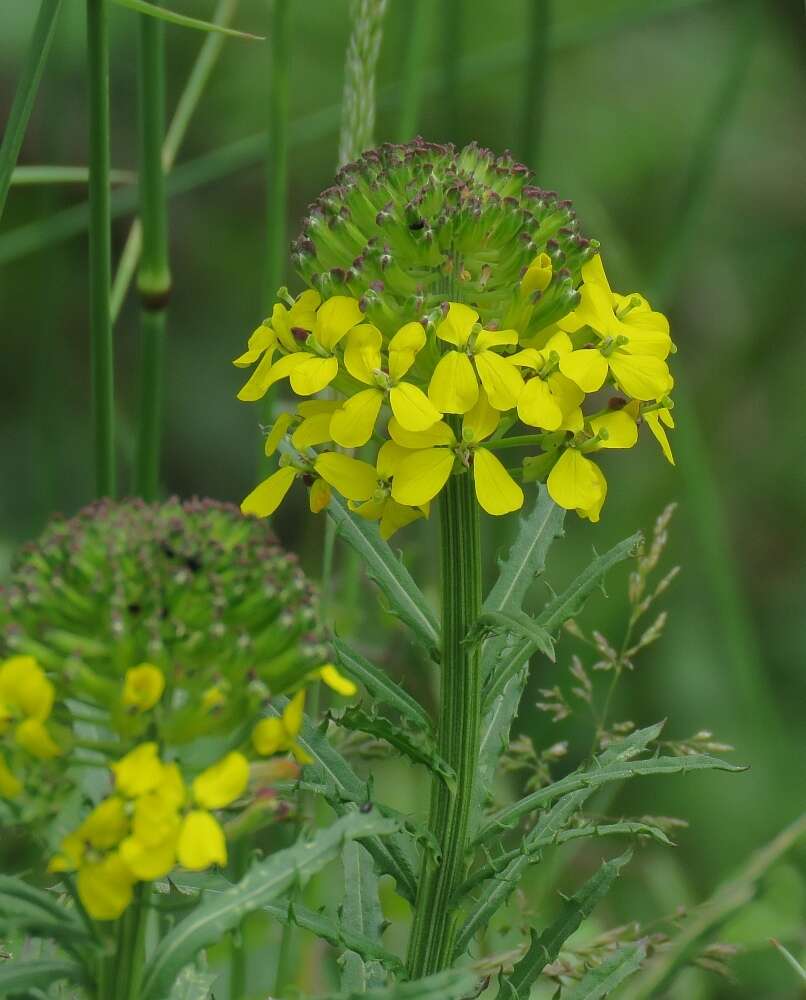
{"type": "Point", "coordinates": [279, 735]}
{"type": "Point", "coordinates": [105, 887]}
{"type": "Point", "coordinates": [201, 841]}
{"type": "Point", "coordinates": [143, 687]}
{"type": "Point", "coordinates": [10, 786]}
{"type": "Point", "coordinates": [223, 782]}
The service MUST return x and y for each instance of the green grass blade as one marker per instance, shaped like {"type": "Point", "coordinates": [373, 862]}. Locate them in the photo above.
{"type": "Point", "coordinates": [152, 10]}
{"type": "Point", "coordinates": [790, 959]}
{"type": "Point", "coordinates": [25, 94]}
{"type": "Point", "coordinates": [39, 175]}
{"type": "Point", "coordinates": [264, 882]}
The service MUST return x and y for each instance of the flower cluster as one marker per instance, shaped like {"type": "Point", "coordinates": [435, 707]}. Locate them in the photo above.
{"type": "Point", "coordinates": [443, 393]}
{"type": "Point", "coordinates": [138, 633]}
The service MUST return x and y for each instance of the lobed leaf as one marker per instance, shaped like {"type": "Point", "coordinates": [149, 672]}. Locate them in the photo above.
{"type": "Point", "coordinates": [452, 984]}
{"type": "Point", "coordinates": [603, 979]}
{"type": "Point", "coordinates": [360, 913]}
{"type": "Point", "coordinates": [393, 579]}
{"type": "Point", "coordinates": [545, 947]}
{"type": "Point", "coordinates": [520, 624]}
{"type": "Point", "coordinates": [172, 17]}
{"type": "Point", "coordinates": [216, 915]}
{"type": "Point", "coordinates": [40, 973]}
{"type": "Point", "coordinates": [379, 685]}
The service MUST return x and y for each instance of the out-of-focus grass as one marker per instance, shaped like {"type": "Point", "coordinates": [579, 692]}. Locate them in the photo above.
{"type": "Point", "coordinates": [626, 95]}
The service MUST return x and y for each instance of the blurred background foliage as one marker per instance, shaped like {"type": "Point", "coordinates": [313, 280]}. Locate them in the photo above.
{"type": "Point", "coordinates": [677, 128]}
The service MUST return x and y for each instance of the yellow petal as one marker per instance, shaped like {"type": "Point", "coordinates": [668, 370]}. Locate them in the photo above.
{"type": "Point", "coordinates": [645, 338]}
{"type": "Point", "coordinates": [32, 735]}
{"type": "Point", "coordinates": [566, 393]}
{"type": "Point", "coordinates": [496, 490]}
{"type": "Point", "coordinates": [338, 682]}
{"type": "Point", "coordinates": [277, 433]}
{"type": "Point", "coordinates": [413, 410]}
{"type": "Point", "coordinates": [538, 275]}
{"type": "Point", "coordinates": [494, 338]}
{"type": "Point", "coordinates": [454, 387]}
{"type": "Point", "coordinates": [559, 343]}
{"type": "Point", "coordinates": [156, 818]}
{"type": "Point", "coordinates": [313, 375]}
{"type": "Point", "coordinates": [353, 424]}
{"type": "Point", "coordinates": [480, 422]}
{"type": "Point", "coordinates": [537, 406]}
{"type": "Point", "coordinates": [354, 479]}
{"type": "Point", "coordinates": [149, 861]}
{"type": "Point", "coordinates": [439, 433]}
{"type": "Point", "coordinates": [143, 687]}
{"type": "Point", "coordinates": [269, 737]}
{"type": "Point", "coordinates": [592, 513]}
{"type": "Point", "coordinates": [267, 497]}
{"type": "Point", "coordinates": [266, 374]}
{"type": "Point", "coordinates": [593, 271]}
{"type": "Point", "coordinates": [10, 786]}
{"type": "Point", "coordinates": [262, 338]}
{"type": "Point", "coordinates": [641, 376]}
{"type": "Point", "coordinates": [219, 785]}
{"type": "Point", "coordinates": [24, 685]}
{"type": "Point", "coordinates": [105, 887]}
{"type": "Point", "coordinates": [587, 368]}
{"type": "Point", "coordinates": [458, 324]}
{"type": "Point", "coordinates": [404, 348]}
{"type": "Point", "coordinates": [574, 482]}
{"type": "Point", "coordinates": [319, 496]}
{"type": "Point", "coordinates": [314, 430]}
{"type": "Point", "coordinates": [653, 422]}
{"type": "Point", "coordinates": [527, 358]}
{"type": "Point", "coordinates": [390, 455]}
{"type": "Point", "coordinates": [420, 476]}
{"type": "Point", "coordinates": [293, 713]}
{"type": "Point", "coordinates": [335, 317]}
{"type": "Point", "coordinates": [71, 853]}
{"type": "Point", "coordinates": [362, 355]}
{"type": "Point", "coordinates": [314, 407]}
{"type": "Point", "coordinates": [140, 771]}
{"type": "Point", "coordinates": [201, 842]}
{"type": "Point", "coordinates": [395, 516]}
{"type": "Point", "coordinates": [622, 430]}
{"type": "Point", "coordinates": [502, 381]}
{"type": "Point", "coordinates": [106, 825]}
{"type": "Point", "coordinates": [370, 510]}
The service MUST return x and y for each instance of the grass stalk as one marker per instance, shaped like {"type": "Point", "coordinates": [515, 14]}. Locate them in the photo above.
{"type": "Point", "coordinates": [25, 94]}
{"type": "Point", "coordinates": [154, 278]}
{"type": "Point", "coordinates": [277, 152]}
{"type": "Point", "coordinates": [433, 933]}
{"type": "Point", "coordinates": [411, 86]}
{"type": "Point", "coordinates": [534, 84]}
{"type": "Point", "coordinates": [103, 393]}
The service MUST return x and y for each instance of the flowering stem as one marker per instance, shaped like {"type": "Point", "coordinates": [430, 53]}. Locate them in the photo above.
{"type": "Point", "coordinates": [154, 279]}
{"type": "Point", "coordinates": [100, 249]}
{"type": "Point", "coordinates": [434, 928]}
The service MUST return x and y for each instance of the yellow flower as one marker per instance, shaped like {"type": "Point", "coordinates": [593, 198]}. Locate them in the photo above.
{"type": "Point", "coordinates": [140, 771]}
{"type": "Point", "coordinates": [336, 681]}
{"type": "Point", "coordinates": [354, 479]}
{"type": "Point", "coordinates": [223, 782]}
{"type": "Point", "coordinates": [10, 786]}
{"type": "Point", "coordinates": [201, 841]}
{"type": "Point", "coordinates": [24, 687]}
{"type": "Point", "coordinates": [422, 473]}
{"type": "Point", "coordinates": [353, 424]}
{"type": "Point", "coordinates": [454, 386]}
{"type": "Point", "coordinates": [577, 483]}
{"type": "Point", "coordinates": [549, 399]}
{"type": "Point", "coordinates": [213, 698]}
{"type": "Point", "coordinates": [143, 687]}
{"type": "Point", "coordinates": [106, 825]}
{"type": "Point", "coordinates": [635, 340]}
{"type": "Point", "coordinates": [538, 275]}
{"type": "Point", "coordinates": [273, 735]}
{"type": "Point", "coordinates": [315, 425]}
{"type": "Point", "coordinates": [310, 370]}
{"type": "Point", "coordinates": [655, 421]}
{"type": "Point", "coordinates": [105, 887]}
{"type": "Point", "coordinates": [150, 852]}
{"type": "Point", "coordinates": [32, 735]}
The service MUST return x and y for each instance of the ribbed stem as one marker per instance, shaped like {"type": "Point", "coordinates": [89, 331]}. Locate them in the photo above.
{"type": "Point", "coordinates": [103, 392]}
{"type": "Point", "coordinates": [434, 928]}
{"type": "Point", "coordinates": [24, 96]}
{"type": "Point", "coordinates": [154, 278]}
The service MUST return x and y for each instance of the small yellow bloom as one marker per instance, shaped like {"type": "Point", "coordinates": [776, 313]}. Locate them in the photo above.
{"type": "Point", "coordinates": [106, 825]}
{"type": "Point", "coordinates": [213, 698]}
{"type": "Point", "coordinates": [338, 682]}
{"type": "Point", "coordinates": [577, 483]}
{"type": "Point", "coordinates": [275, 735]}
{"type": "Point", "coordinates": [319, 496]}
{"type": "Point", "coordinates": [454, 386]}
{"type": "Point", "coordinates": [657, 421]}
{"type": "Point", "coordinates": [105, 887]}
{"type": "Point", "coordinates": [10, 785]}
{"type": "Point", "coordinates": [201, 841]}
{"type": "Point", "coordinates": [32, 735]}
{"type": "Point", "coordinates": [223, 782]}
{"type": "Point", "coordinates": [24, 687]}
{"type": "Point", "coordinates": [147, 862]}
{"type": "Point", "coordinates": [549, 399]}
{"type": "Point", "coordinates": [143, 687]}
{"type": "Point", "coordinates": [150, 852]}
{"type": "Point", "coordinates": [140, 771]}
{"type": "Point", "coordinates": [538, 275]}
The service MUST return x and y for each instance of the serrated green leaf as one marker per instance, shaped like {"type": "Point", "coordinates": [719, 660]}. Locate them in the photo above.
{"type": "Point", "coordinates": [162, 14]}
{"type": "Point", "coordinates": [379, 685]}
{"type": "Point", "coordinates": [453, 984]}
{"type": "Point", "coordinates": [594, 778]}
{"type": "Point", "coordinates": [22, 976]}
{"type": "Point", "coordinates": [545, 947]}
{"type": "Point", "coordinates": [216, 915]}
{"type": "Point", "coordinates": [527, 557]}
{"type": "Point", "coordinates": [193, 984]}
{"type": "Point", "coordinates": [520, 624]}
{"type": "Point", "coordinates": [345, 791]}
{"type": "Point", "coordinates": [393, 579]}
{"type": "Point", "coordinates": [571, 601]}
{"type": "Point", "coordinates": [361, 914]}
{"type": "Point", "coordinates": [25, 908]}
{"type": "Point", "coordinates": [418, 746]}
{"type": "Point", "coordinates": [602, 980]}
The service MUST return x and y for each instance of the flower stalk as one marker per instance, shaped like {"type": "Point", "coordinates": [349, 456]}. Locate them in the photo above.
{"type": "Point", "coordinates": [103, 392]}
{"type": "Point", "coordinates": [434, 929]}
{"type": "Point", "coordinates": [154, 278]}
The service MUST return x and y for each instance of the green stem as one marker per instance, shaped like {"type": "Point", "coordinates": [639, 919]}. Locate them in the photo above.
{"type": "Point", "coordinates": [33, 67]}
{"type": "Point", "coordinates": [435, 918]}
{"type": "Point", "coordinates": [534, 90]}
{"type": "Point", "coordinates": [103, 391]}
{"type": "Point", "coordinates": [154, 278]}
{"type": "Point", "coordinates": [277, 152]}
{"type": "Point", "coordinates": [137, 942]}
{"type": "Point", "coordinates": [239, 855]}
